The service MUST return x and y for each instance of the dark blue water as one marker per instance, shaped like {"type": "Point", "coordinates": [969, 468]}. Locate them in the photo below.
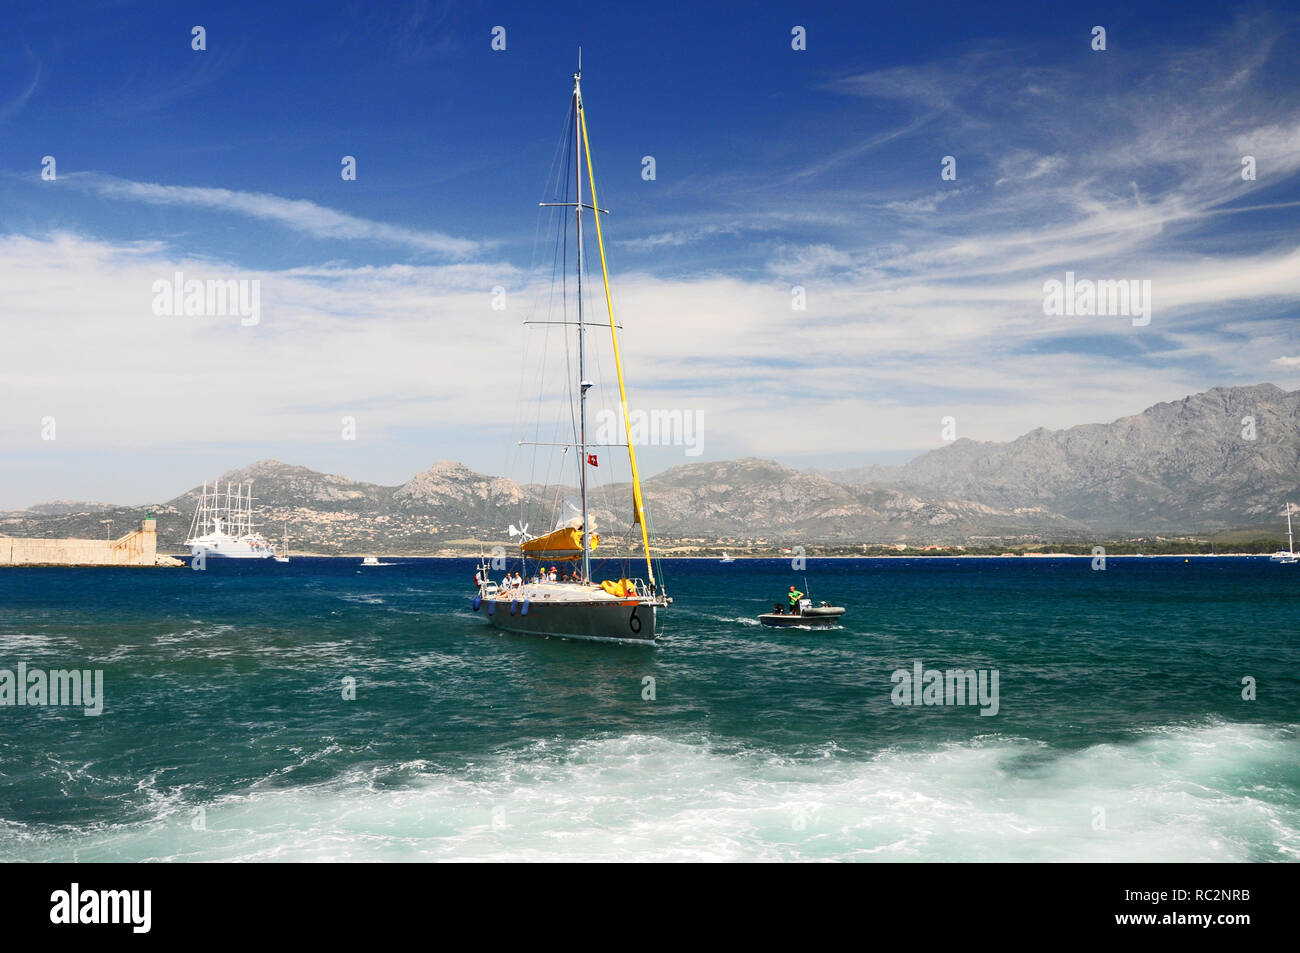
{"type": "Point", "coordinates": [1120, 732]}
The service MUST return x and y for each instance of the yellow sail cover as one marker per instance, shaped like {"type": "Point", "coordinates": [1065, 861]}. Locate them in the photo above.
{"type": "Point", "coordinates": [563, 544]}
{"type": "Point", "coordinates": [623, 588]}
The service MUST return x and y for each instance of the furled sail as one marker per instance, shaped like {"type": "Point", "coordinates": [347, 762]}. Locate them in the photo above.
{"type": "Point", "coordinates": [561, 544]}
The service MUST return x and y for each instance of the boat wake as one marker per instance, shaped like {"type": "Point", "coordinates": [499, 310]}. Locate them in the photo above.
{"type": "Point", "coordinates": [804, 628]}
{"type": "Point", "coordinates": [733, 620]}
{"type": "Point", "coordinates": [1218, 792]}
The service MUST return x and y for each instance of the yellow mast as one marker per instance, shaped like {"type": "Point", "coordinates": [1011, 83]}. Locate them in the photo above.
{"type": "Point", "coordinates": [637, 505]}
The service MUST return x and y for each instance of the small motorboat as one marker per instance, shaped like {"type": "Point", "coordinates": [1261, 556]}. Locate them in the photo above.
{"type": "Point", "coordinates": [808, 616]}
{"type": "Point", "coordinates": [371, 561]}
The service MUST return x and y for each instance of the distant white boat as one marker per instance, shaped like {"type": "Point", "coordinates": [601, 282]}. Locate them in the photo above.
{"type": "Point", "coordinates": [222, 527]}
{"type": "Point", "coordinates": [726, 559]}
{"type": "Point", "coordinates": [1286, 556]}
{"type": "Point", "coordinates": [371, 561]}
{"type": "Point", "coordinates": [283, 556]}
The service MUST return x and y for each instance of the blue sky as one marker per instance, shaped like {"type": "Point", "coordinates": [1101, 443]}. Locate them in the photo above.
{"type": "Point", "coordinates": [775, 168]}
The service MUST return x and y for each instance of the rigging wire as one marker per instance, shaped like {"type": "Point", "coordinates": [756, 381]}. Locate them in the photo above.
{"type": "Point", "coordinates": [557, 238]}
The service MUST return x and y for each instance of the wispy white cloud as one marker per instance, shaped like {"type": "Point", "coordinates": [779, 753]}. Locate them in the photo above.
{"type": "Point", "coordinates": [298, 215]}
{"type": "Point", "coordinates": [917, 307]}
{"type": "Point", "coordinates": [420, 348]}
{"type": "Point", "coordinates": [1023, 166]}
{"type": "Point", "coordinates": [924, 204]}
{"type": "Point", "coordinates": [15, 105]}
{"type": "Point", "coordinates": [679, 237]}
{"type": "Point", "coordinates": [856, 150]}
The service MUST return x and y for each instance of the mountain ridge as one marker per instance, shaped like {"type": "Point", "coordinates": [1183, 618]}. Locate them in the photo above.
{"type": "Point", "coordinates": [1141, 471]}
{"type": "Point", "coordinates": [1177, 467]}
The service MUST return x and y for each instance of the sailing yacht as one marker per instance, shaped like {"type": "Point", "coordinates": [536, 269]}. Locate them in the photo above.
{"type": "Point", "coordinates": [726, 559]}
{"type": "Point", "coordinates": [1286, 556]}
{"type": "Point", "coordinates": [573, 604]}
{"type": "Point", "coordinates": [283, 555]}
{"type": "Point", "coordinates": [222, 527]}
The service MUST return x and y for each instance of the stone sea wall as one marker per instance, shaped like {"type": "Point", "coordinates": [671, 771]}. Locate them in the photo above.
{"type": "Point", "coordinates": [137, 548]}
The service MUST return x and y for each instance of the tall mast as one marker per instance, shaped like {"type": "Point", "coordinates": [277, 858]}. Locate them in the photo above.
{"type": "Point", "coordinates": [582, 331]}
{"type": "Point", "coordinates": [1290, 539]}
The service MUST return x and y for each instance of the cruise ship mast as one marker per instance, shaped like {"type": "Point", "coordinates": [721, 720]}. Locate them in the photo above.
{"type": "Point", "coordinates": [230, 512]}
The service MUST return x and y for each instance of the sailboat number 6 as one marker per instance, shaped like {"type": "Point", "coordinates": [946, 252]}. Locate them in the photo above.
{"type": "Point", "coordinates": [633, 622]}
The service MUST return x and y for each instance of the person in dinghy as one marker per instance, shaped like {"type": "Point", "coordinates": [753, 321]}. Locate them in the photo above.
{"type": "Point", "coordinates": [802, 613]}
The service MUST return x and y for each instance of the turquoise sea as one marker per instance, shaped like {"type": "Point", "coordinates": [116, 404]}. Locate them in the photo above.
{"type": "Point", "coordinates": [1121, 731]}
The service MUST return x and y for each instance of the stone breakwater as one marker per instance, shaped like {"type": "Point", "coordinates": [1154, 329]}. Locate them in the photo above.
{"type": "Point", "coordinates": [137, 548]}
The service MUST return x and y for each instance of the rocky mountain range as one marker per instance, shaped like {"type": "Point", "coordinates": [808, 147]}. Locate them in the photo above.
{"type": "Point", "coordinates": [1224, 459]}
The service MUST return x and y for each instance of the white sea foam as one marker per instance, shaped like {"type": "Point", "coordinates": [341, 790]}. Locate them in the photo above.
{"type": "Point", "coordinates": [194, 633]}
{"type": "Point", "coordinates": [17, 643]}
{"type": "Point", "coordinates": [368, 599]}
{"type": "Point", "coordinates": [1219, 792]}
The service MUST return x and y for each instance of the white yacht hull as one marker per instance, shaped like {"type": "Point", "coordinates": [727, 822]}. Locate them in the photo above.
{"type": "Point", "coordinates": [1286, 556]}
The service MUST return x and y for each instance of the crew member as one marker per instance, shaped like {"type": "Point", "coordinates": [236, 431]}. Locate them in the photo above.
{"type": "Point", "coordinates": [795, 596]}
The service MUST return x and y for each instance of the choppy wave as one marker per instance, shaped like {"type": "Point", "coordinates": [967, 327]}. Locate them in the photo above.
{"type": "Point", "coordinates": [363, 598]}
{"type": "Point", "coordinates": [733, 620]}
{"type": "Point", "coordinates": [18, 643]}
{"type": "Point", "coordinates": [1218, 792]}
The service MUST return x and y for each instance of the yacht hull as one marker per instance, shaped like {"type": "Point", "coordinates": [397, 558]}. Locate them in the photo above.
{"type": "Point", "coordinates": [627, 621]}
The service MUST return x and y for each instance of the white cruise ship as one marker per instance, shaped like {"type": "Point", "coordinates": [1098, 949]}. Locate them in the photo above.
{"type": "Point", "coordinates": [223, 525]}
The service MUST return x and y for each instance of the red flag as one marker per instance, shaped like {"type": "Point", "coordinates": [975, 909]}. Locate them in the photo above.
{"type": "Point", "coordinates": [591, 460]}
